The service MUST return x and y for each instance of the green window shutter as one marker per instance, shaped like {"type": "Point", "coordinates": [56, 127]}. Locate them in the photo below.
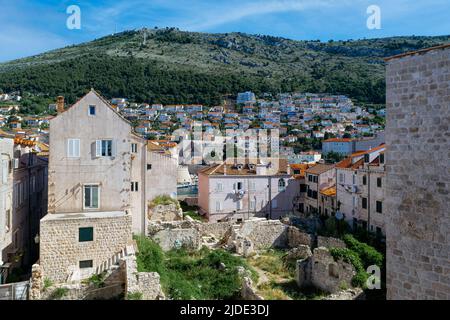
{"type": "Point", "coordinates": [85, 234]}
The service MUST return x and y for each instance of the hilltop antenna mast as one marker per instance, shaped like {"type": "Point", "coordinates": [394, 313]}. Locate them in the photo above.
{"type": "Point", "coordinates": [144, 31]}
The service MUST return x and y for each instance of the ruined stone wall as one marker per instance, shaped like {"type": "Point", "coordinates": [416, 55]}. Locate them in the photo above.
{"type": "Point", "coordinates": [328, 242]}
{"type": "Point", "coordinates": [418, 176]}
{"type": "Point", "coordinates": [217, 229]}
{"type": "Point", "coordinates": [321, 271]}
{"type": "Point", "coordinates": [61, 251]}
{"type": "Point", "coordinates": [265, 233]}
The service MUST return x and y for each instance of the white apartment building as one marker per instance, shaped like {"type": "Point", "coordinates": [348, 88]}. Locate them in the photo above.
{"type": "Point", "coordinates": [360, 189]}
{"type": "Point", "coordinates": [102, 178]}
{"type": "Point", "coordinates": [241, 190]}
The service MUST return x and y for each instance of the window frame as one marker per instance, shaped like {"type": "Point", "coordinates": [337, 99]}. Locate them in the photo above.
{"type": "Point", "coordinates": [90, 108]}
{"type": "Point", "coordinates": [71, 148]}
{"type": "Point", "coordinates": [379, 205]}
{"type": "Point", "coordinates": [98, 196]}
{"type": "Point", "coordinates": [91, 234]}
{"type": "Point", "coordinates": [91, 265]}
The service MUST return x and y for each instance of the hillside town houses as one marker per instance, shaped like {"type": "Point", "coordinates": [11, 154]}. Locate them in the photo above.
{"type": "Point", "coordinates": [102, 162]}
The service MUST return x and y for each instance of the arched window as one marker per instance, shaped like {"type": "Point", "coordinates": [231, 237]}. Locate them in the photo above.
{"type": "Point", "coordinates": [281, 185]}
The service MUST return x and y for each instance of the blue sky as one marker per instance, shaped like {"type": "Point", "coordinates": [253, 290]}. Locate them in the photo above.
{"type": "Point", "coordinates": [30, 27]}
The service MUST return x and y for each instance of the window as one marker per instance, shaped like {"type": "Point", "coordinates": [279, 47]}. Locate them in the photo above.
{"type": "Point", "coordinates": [281, 185]}
{"type": "Point", "coordinates": [149, 167]}
{"type": "Point", "coordinates": [309, 178]}
{"type": "Point", "coordinates": [218, 206]}
{"type": "Point", "coordinates": [8, 220]}
{"type": "Point", "coordinates": [252, 204]}
{"type": "Point", "coordinates": [341, 178]}
{"type": "Point", "coordinates": [354, 179]}
{"type": "Point", "coordinates": [92, 110]}
{"type": "Point", "coordinates": [366, 158]}
{"type": "Point", "coordinates": [91, 196]}
{"type": "Point", "coordinates": [5, 171]}
{"type": "Point", "coordinates": [73, 148]}
{"type": "Point", "coordinates": [379, 182]}
{"type": "Point", "coordinates": [379, 207]}
{"type": "Point", "coordinates": [303, 188]}
{"type": "Point", "coordinates": [239, 186]}
{"type": "Point", "coordinates": [239, 205]}
{"type": "Point", "coordinates": [382, 158]}
{"type": "Point", "coordinates": [134, 148]}
{"type": "Point", "coordinates": [86, 264]}
{"type": "Point", "coordinates": [309, 193]}
{"type": "Point", "coordinates": [364, 180]}
{"type": "Point", "coordinates": [104, 148]}
{"type": "Point", "coordinates": [86, 234]}
{"type": "Point", "coordinates": [134, 186]}
{"type": "Point", "coordinates": [219, 187]}
{"type": "Point", "coordinates": [252, 186]}
{"type": "Point", "coordinates": [364, 203]}
{"type": "Point", "coordinates": [314, 194]}
{"type": "Point", "coordinates": [354, 202]}
{"type": "Point", "coordinates": [315, 179]}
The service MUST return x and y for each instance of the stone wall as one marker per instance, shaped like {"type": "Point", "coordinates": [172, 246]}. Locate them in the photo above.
{"type": "Point", "coordinates": [265, 233]}
{"type": "Point", "coordinates": [328, 242]}
{"type": "Point", "coordinates": [145, 283]}
{"type": "Point", "coordinates": [61, 251]}
{"type": "Point", "coordinates": [177, 234]}
{"type": "Point", "coordinates": [321, 271]}
{"type": "Point", "coordinates": [170, 212]}
{"type": "Point", "coordinates": [216, 229]}
{"type": "Point", "coordinates": [418, 176]}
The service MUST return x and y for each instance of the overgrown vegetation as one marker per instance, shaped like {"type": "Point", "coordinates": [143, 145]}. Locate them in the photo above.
{"type": "Point", "coordinates": [97, 280]}
{"type": "Point", "coordinates": [361, 256]}
{"type": "Point", "coordinates": [191, 211]}
{"type": "Point", "coordinates": [187, 67]}
{"type": "Point", "coordinates": [198, 275]}
{"type": "Point", "coordinates": [47, 283]}
{"type": "Point", "coordinates": [59, 293]}
{"type": "Point", "coordinates": [135, 296]}
{"type": "Point", "coordinates": [164, 200]}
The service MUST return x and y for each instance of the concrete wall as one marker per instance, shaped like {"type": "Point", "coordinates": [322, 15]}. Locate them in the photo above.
{"type": "Point", "coordinates": [418, 176]}
{"type": "Point", "coordinates": [61, 251]}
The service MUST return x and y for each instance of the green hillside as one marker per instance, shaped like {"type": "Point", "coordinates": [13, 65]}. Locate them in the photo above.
{"type": "Point", "coordinates": [172, 66]}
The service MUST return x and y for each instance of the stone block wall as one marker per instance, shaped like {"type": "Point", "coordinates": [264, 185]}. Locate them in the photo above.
{"type": "Point", "coordinates": [328, 242]}
{"type": "Point", "coordinates": [61, 251]}
{"type": "Point", "coordinates": [418, 176]}
{"type": "Point", "coordinates": [265, 233]}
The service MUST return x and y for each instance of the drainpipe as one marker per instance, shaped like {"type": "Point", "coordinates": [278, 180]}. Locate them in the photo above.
{"type": "Point", "coordinates": [270, 198]}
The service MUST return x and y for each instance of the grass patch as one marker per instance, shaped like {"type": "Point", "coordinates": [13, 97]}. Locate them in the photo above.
{"type": "Point", "coordinates": [47, 283]}
{"type": "Point", "coordinates": [59, 293]}
{"type": "Point", "coordinates": [135, 296]}
{"type": "Point", "coordinates": [97, 280]}
{"type": "Point", "coordinates": [272, 261]}
{"type": "Point", "coordinates": [194, 275]}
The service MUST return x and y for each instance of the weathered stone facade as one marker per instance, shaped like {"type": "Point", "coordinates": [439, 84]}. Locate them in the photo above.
{"type": "Point", "coordinates": [321, 271]}
{"type": "Point", "coordinates": [60, 248]}
{"type": "Point", "coordinates": [170, 212]}
{"type": "Point", "coordinates": [418, 175]}
{"type": "Point", "coordinates": [329, 242]}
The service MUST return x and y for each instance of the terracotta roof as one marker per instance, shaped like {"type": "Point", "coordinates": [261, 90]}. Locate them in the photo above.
{"type": "Point", "coordinates": [302, 167]}
{"type": "Point", "coordinates": [338, 140]}
{"type": "Point", "coordinates": [422, 51]}
{"type": "Point", "coordinates": [320, 168]}
{"type": "Point", "coordinates": [231, 169]}
{"type": "Point", "coordinates": [347, 163]}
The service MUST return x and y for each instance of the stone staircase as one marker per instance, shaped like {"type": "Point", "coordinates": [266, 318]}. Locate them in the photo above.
{"type": "Point", "coordinates": [76, 275]}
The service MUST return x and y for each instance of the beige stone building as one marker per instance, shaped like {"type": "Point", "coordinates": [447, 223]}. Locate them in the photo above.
{"type": "Point", "coordinates": [23, 202]}
{"type": "Point", "coordinates": [360, 189]}
{"type": "Point", "coordinates": [319, 180]}
{"type": "Point", "coordinates": [100, 173]}
{"type": "Point", "coordinates": [418, 175]}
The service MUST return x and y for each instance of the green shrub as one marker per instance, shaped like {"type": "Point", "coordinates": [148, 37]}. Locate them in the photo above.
{"type": "Point", "coordinates": [192, 275]}
{"type": "Point", "coordinates": [97, 280]}
{"type": "Point", "coordinates": [47, 283]}
{"type": "Point", "coordinates": [164, 200]}
{"type": "Point", "coordinates": [59, 293]}
{"type": "Point", "coordinates": [369, 255]}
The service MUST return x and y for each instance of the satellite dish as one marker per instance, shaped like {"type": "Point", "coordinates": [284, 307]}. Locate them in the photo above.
{"type": "Point", "coordinates": [339, 215]}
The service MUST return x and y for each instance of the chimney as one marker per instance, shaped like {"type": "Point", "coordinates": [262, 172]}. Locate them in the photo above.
{"type": "Point", "coordinates": [60, 104]}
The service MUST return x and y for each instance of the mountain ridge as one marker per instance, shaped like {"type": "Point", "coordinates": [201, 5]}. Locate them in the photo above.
{"type": "Point", "coordinates": [172, 66]}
